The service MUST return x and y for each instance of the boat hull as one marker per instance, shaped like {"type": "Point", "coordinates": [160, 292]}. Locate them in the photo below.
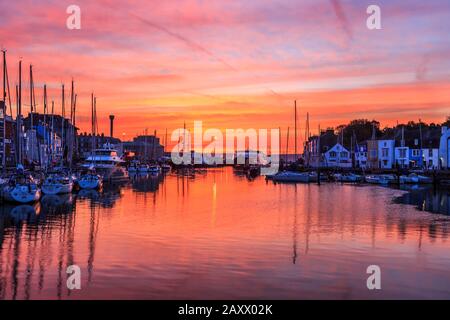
{"type": "Point", "coordinates": [87, 183]}
{"type": "Point", "coordinates": [292, 177]}
{"type": "Point", "coordinates": [57, 188]}
{"type": "Point", "coordinates": [21, 194]}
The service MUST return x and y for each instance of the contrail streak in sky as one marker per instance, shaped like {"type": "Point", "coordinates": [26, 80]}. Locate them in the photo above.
{"type": "Point", "coordinates": [179, 37]}
{"type": "Point", "coordinates": [340, 14]}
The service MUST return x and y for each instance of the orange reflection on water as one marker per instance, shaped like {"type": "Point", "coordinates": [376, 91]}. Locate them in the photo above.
{"type": "Point", "coordinates": [220, 235]}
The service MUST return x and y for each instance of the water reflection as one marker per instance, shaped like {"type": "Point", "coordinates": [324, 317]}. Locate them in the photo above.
{"type": "Point", "coordinates": [218, 235]}
{"type": "Point", "coordinates": [427, 199]}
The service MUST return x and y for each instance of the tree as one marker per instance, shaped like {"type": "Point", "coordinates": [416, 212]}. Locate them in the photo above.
{"type": "Point", "coordinates": [447, 122]}
{"type": "Point", "coordinates": [361, 129]}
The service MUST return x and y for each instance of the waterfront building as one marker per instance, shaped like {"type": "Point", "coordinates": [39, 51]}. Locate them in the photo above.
{"type": "Point", "coordinates": [417, 147]}
{"type": "Point", "coordinates": [401, 155]}
{"type": "Point", "coordinates": [145, 147]}
{"type": "Point", "coordinates": [444, 148]}
{"type": "Point", "coordinates": [372, 154]}
{"type": "Point", "coordinates": [317, 146]}
{"type": "Point", "coordinates": [8, 126]}
{"type": "Point", "coordinates": [338, 156]}
{"type": "Point", "coordinates": [386, 153]}
{"type": "Point", "coordinates": [361, 155]}
{"type": "Point", "coordinates": [85, 141]}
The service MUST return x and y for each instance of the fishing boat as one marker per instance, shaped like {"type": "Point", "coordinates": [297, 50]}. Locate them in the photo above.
{"type": "Point", "coordinates": [381, 179]}
{"type": "Point", "coordinates": [57, 183]}
{"type": "Point", "coordinates": [21, 188]}
{"type": "Point", "coordinates": [351, 177]}
{"type": "Point", "coordinates": [290, 176]}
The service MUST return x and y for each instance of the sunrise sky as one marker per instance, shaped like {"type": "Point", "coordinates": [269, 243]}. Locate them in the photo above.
{"type": "Point", "coordinates": [236, 64]}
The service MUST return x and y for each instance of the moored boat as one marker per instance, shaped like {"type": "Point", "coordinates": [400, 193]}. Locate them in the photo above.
{"type": "Point", "coordinates": [290, 176]}
{"type": "Point", "coordinates": [57, 183]}
{"type": "Point", "coordinates": [351, 177]}
{"type": "Point", "coordinates": [154, 168]}
{"type": "Point", "coordinates": [90, 180]}
{"type": "Point", "coordinates": [166, 167]}
{"type": "Point", "coordinates": [21, 188]}
{"type": "Point", "coordinates": [380, 179]}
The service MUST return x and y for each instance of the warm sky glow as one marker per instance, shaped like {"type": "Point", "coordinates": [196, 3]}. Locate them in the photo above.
{"type": "Point", "coordinates": [156, 64]}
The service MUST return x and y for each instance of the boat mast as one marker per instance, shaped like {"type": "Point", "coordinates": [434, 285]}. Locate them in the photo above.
{"type": "Point", "coordinates": [4, 113]}
{"type": "Point", "coordinates": [279, 143]}
{"type": "Point", "coordinates": [319, 155]}
{"type": "Point", "coordinates": [71, 122]}
{"type": "Point", "coordinates": [19, 114]}
{"type": "Point", "coordinates": [92, 127]}
{"type": "Point", "coordinates": [154, 145]}
{"type": "Point", "coordinates": [287, 145]}
{"type": "Point", "coordinates": [421, 151]}
{"type": "Point", "coordinates": [307, 138]}
{"type": "Point", "coordinates": [295, 130]}
{"type": "Point", "coordinates": [52, 142]}
{"type": "Point", "coordinates": [165, 142]}
{"type": "Point", "coordinates": [63, 114]}
{"type": "Point", "coordinates": [45, 124]}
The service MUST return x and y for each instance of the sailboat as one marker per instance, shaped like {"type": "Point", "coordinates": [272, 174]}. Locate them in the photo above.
{"type": "Point", "coordinates": [91, 180]}
{"type": "Point", "coordinates": [57, 183]}
{"type": "Point", "coordinates": [21, 188]}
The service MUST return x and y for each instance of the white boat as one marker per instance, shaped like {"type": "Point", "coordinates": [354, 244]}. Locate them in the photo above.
{"type": "Point", "coordinates": [410, 179]}
{"type": "Point", "coordinates": [289, 176]}
{"type": "Point", "coordinates": [381, 179]}
{"type": "Point", "coordinates": [105, 161]}
{"type": "Point", "coordinates": [414, 178]}
{"type": "Point", "coordinates": [339, 177]}
{"type": "Point", "coordinates": [90, 180]}
{"type": "Point", "coordinates": [424, 179]}
{"type": "Point", "coordinates": [57, 184]}
{"type": "Point", "coordinates": [21, 188]}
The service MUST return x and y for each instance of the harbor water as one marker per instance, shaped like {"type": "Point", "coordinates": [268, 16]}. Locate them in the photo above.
{"type": "Point", "coordinates": [219, 235]}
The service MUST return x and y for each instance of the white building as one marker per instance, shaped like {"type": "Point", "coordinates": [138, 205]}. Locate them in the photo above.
{"type": "Point", "coordinates": [386, 153]}
{"type": "Point", "coordinates": [430, 158]}
{"type": "Point", "coordinates": [338, 156]}
{"type": "Point", "coordinates": [361, 156]}
{"type": "Point", "coordinates": [402, 156]}
{"type": "Point", "coordinates": [444, 148]}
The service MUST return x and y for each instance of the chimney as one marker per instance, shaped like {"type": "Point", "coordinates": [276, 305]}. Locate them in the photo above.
{"type": "Point", "coordinates": [111, 125]}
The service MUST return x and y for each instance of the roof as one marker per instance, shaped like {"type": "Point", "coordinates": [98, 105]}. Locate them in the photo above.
{"type": "Point", "coordinates": [430, 137]}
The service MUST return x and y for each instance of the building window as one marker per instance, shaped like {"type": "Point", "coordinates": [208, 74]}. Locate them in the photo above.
{"type": "Point", "coordinates": [402, 153]}
{"type": "Point", "coordinates": [332, 154]}
{"type": "Point", "coordinates": [415, 152]}
{"type": "Point", "coordinates": [344, 154]}
{"type": "Point", "coordinates": [385, 152]}
{"type": "Point", "coordinates": [430, 153]}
